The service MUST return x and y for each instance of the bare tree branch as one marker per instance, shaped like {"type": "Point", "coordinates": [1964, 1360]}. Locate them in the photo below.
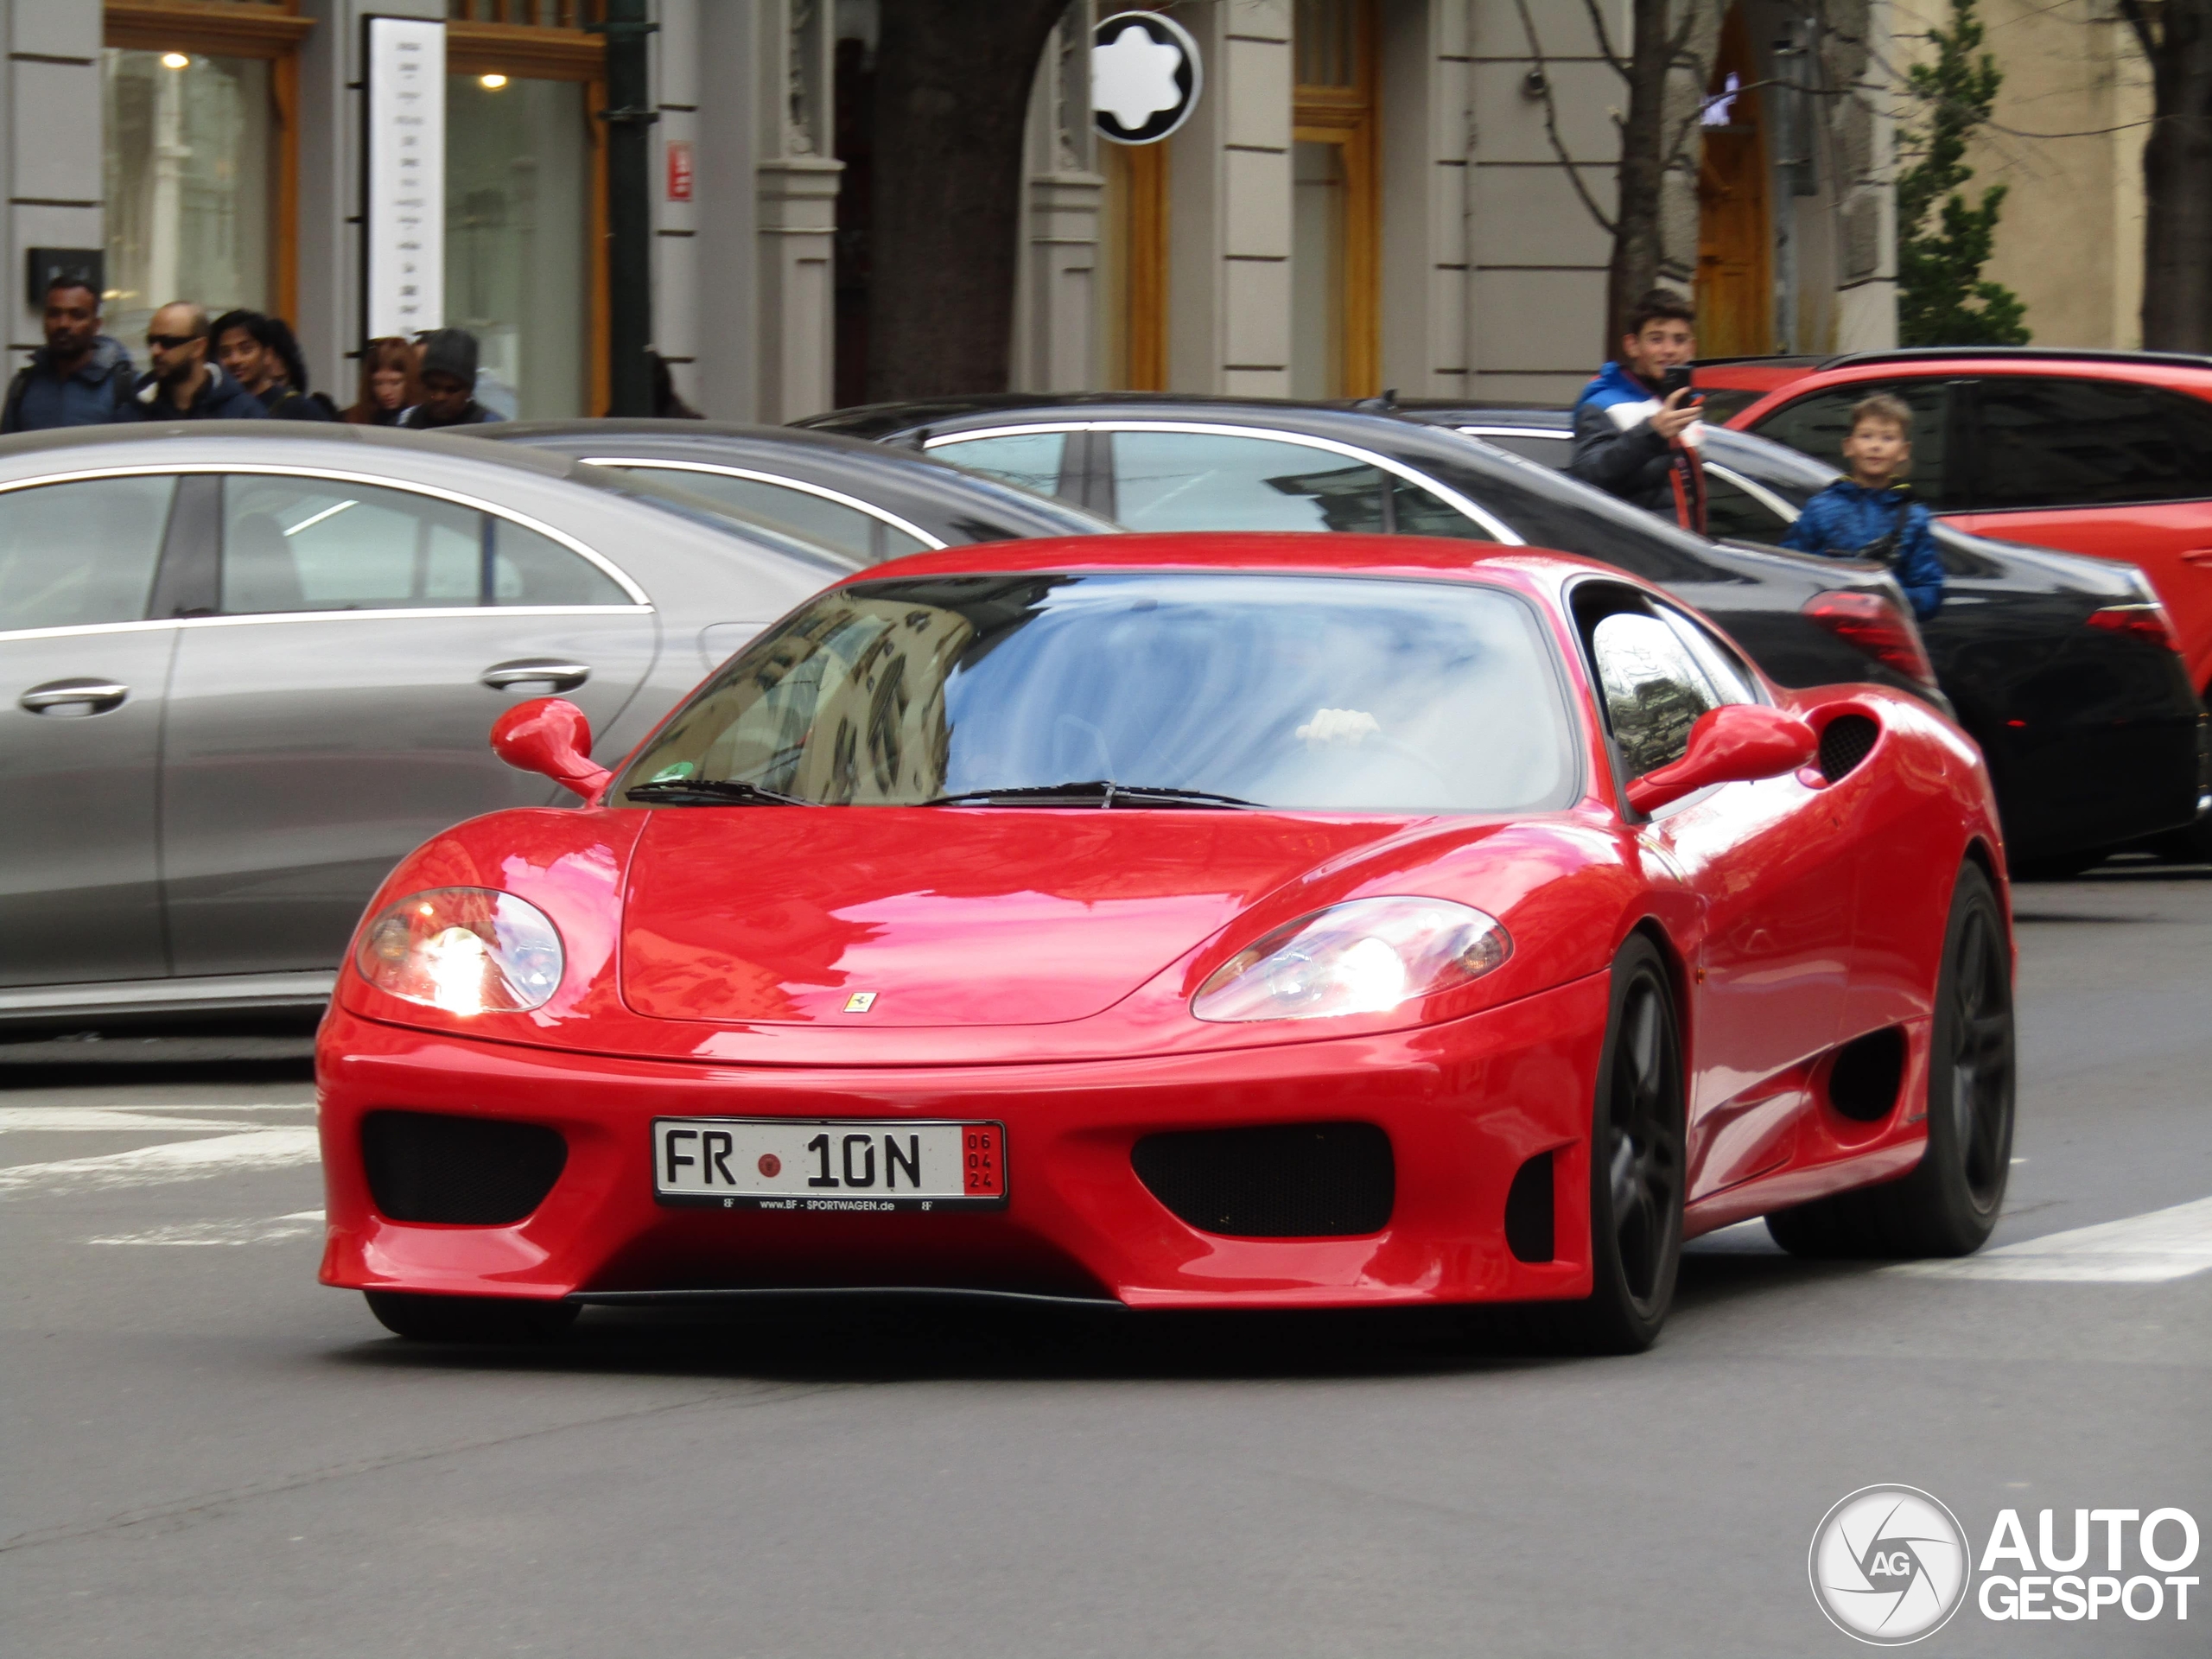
{"type": "Point", "coordinates": [1604, 39]}
{"type": "Point", "coordinates": [1551, 122]}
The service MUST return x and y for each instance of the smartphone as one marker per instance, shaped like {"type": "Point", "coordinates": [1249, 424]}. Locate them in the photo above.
{"type": "Point", "coordinates": [1674, 379]}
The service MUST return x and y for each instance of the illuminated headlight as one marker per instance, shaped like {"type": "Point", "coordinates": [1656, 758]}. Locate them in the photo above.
{"type": "Point", "coordinates": [1366, 956]}
{"type": "Point", "coordinates": [465, 949]}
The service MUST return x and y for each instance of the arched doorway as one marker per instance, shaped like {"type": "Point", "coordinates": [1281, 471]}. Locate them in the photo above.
{"type": "Point", "coordinates": [1735, 241]}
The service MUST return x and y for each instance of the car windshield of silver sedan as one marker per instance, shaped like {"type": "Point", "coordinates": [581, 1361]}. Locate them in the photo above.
{"type": "Point", "coordinates": [1188, 689]}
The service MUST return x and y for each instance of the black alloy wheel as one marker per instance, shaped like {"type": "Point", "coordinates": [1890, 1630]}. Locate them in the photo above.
{"type": "Point", "coordinates": [502, 1319]}
{"type": "Point", "coordinates": [1949, 1204]}
{"type": "Point", "coordinates": [1636, 1162]}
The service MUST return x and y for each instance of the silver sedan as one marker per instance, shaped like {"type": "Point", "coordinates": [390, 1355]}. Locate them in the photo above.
{"type": "Point", "coordinates": [244, 667]}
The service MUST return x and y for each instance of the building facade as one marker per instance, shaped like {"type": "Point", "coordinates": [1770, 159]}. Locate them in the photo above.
{"type": "Point", "coordinates": [1367, 194]}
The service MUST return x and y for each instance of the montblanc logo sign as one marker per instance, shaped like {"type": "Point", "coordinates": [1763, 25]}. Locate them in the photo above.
{"type": "Point", "coordinates": [1145, 79]}
{"type": "Point", "coordinates": [1891, 1564]}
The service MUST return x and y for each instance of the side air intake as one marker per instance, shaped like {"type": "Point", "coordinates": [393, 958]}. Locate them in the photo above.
{"type": "Point", "coordinates": [1292, 1180]}
{"type": "Point", "coordinates": [1845, 741]}
{"type": "Point", "coordinates": [480, 1171]}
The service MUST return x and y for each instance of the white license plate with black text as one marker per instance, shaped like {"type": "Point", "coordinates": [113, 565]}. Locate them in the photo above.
{"type": "Point", "coordinates": [779, 1163]}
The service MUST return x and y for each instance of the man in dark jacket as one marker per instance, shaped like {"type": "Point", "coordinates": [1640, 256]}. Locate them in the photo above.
{"type": "Point", "coordinates": [79, 376]}
{"type": "Point", "coordinates": [183, 385]}
{"type": "Point", "coordinates": [448, 378]}
{"type": "Point", "coordinates": [1632, 440]}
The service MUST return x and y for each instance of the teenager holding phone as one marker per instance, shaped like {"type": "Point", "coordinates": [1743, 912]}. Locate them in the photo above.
{"type": "Point", "coordinates": [1636, 425]}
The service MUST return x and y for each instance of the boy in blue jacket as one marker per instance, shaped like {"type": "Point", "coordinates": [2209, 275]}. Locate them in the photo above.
{"type": "Point", "coordinates": [1868, 515]}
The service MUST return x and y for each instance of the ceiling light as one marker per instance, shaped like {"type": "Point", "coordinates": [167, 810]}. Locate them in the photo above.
{"type": "Point", "coordinates": [176, 60]}
{"type": "Point", "coordinates": [492, 83]}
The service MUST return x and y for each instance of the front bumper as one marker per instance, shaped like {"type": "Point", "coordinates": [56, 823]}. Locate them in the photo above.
{"type": "Point", "coordinates": [1464, 1104]}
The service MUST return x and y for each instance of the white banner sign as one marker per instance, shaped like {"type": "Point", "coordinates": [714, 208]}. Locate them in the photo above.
{"type": "Point", "coordinates": [403, 218]}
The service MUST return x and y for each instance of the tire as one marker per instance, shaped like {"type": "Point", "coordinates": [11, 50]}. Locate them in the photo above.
{"type": "Point", "coordinates": [469, 1318]}
{"type": "Point", "coordinates": [1950, 1202]}
{"type": "Point", "coordinates": [1635, 1164]}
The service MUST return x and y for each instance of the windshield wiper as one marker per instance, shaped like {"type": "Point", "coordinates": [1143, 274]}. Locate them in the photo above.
{"type": "Point", "coordinates": [710, 791]}
{"type": "Point", "coordinates": [1102, 791]}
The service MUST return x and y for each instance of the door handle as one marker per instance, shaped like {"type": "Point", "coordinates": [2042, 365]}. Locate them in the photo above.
{"type": "Point", "coordinates": [535, 670]}
{"type": "Point", "coordinates": [94, 697]}
{"type": "Point", "coordinates": [2196, 555]}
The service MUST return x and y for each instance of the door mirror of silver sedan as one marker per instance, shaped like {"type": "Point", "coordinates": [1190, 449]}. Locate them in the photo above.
{"type": "Point", "coordinates": [1736, 743]}
{"type": "Point", "coordinates": [551, 735]}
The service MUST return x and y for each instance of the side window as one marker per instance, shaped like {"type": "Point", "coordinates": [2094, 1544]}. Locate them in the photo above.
{"type": "Point", "coordinates": [830, 523]}
{"type": "Point", "coordinates": [528, 568]}
{"type": "Point", "coordinates": [317, 544]}
{"type": "Point", "coordinates": [1654, 689]}
{"type": "Point", "coordinates": [76, 555]}
{"type": "Point", "coordinates": [1029, 459]}
{"type": "Point", "coordinates": [1201, 480]}
{"type": "Point", "coordinates": [1817, 424]}
{"type": "Point", "coordinates": [1731, 681]}
{"type": "Point", "coordinates": [2052, 442]}
{"type": "Point", "coordinates": [1733, 513]}
{"type": "Point", "coordinates": [1416, 512]}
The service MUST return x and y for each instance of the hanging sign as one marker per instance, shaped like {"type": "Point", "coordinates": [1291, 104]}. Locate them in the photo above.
{"type": "Point", "coordinates": [1145, 79]}
{"type": "Point", "coordinates": [403, 209]}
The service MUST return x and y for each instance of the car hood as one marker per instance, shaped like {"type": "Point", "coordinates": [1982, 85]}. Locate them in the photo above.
{"type": "Point", "coordinates": [941, 916]}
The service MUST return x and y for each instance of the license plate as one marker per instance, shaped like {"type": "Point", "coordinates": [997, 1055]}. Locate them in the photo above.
{"type": "Point", "coordinates": [780, 1163]}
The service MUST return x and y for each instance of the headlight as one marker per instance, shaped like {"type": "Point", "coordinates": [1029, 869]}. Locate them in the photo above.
{"type": "Point", "coordinates": [465, 949]}
{"type": "Point", "coordinates": [1366, 956]}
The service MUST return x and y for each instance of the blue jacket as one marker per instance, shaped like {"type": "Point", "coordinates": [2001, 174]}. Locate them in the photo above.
{"type": "Point", "coordinates": [1630, 460]}
{"type": "Point", "coordinates": [91, 395]}
{"type": "Point", "coordinates": [1845, 518]}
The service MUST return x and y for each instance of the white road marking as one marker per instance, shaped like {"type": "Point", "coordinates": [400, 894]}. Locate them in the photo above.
{"type": "Point", "coordinates": [174, 1160]}
{"type": "Point", "coordinates": [2148, 1249]}
{"type": "Point", "coordinates": [74, 1120]}
{"type": "Point", "coordinates": [298, 1224]}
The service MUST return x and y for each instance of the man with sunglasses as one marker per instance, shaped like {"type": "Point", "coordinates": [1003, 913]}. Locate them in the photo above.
{"type": "Point", "coordinates": [184, 385]}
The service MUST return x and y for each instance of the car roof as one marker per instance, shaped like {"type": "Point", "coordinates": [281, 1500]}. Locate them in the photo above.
{"type": "Point", "coordinates": [286, 434]}
{"type": "Point", "coordinates": [639, 435]}
{"type": "Point", "coordinates": [1279, 552]}
{"type": "Point", "coordinates": [880, 420]}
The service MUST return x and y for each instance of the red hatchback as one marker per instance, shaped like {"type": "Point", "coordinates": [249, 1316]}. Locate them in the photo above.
{"type": "Point", "coordinates": [2103, 452]}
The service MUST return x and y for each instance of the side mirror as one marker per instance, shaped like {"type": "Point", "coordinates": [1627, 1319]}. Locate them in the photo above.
{"type": "Point", "coordinates": [549, 735]}
{"type": "Point", "coordinates": [1733, 744]}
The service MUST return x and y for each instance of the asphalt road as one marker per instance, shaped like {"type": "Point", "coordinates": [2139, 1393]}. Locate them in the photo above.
{"type": "Point", "coordinates": [206, 1454]}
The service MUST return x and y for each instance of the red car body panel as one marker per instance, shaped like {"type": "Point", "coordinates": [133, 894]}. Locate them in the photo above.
{"type": "Point", "coordinates": [2171, 541]}
{"type": "Point", "coordinates": [1037, 964]}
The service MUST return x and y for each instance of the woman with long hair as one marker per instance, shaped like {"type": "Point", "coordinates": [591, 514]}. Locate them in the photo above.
{"type": "Point", "coordinates": [389, 387]}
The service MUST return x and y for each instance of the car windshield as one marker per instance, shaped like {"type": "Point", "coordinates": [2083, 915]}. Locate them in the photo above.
{"type": "Point", "coordinates": [1294, 692]}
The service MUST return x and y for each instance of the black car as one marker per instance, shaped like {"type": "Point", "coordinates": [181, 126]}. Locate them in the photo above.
{"type": "Point", "coordinates": [869, 502]}
{"type": "Point", "coordinates": [2087, 717]}
{"type": "Point", "coordinates": [1170, 462]}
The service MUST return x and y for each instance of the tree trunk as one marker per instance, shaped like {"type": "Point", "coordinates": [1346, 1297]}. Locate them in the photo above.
{"type": "Point", "coordinates": [1636, 249]}
{"type": "Point", "coordinates": [952, 83]}
{"type": "Point", "coordinates": [2177, 183]}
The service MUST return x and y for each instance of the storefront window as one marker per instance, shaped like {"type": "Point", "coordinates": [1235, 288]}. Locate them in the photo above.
{"type": "Point", "coordinates": [191, 153]}
{"type": "Point", "coordinates": [518, 235]}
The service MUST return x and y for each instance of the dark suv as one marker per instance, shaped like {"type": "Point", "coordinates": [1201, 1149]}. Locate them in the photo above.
{"type": "Point", "coordinates": [2103, 452]}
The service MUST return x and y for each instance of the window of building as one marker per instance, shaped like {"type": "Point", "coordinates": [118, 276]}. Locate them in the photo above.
{"type": "Point", "coordinates": [1335, 350]}
{"type": "Point", "coordinates": [200, 164]}
{"type": "Point", "coordinates": [526, 167]}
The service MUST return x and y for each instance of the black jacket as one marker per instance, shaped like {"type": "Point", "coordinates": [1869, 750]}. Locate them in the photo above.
{"type": "Point", "coordinates": [1630, 461]}
{"type": "Point", "coordinates": [418, 419]}
{"type": "Point", "coordinates": [221, 399]}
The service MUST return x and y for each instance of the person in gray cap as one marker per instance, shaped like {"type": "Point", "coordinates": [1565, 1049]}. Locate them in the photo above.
{"type": "Point", "coordinates": [448, 381]}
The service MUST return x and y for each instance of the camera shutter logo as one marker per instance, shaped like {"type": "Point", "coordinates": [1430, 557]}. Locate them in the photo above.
{"type": "Point", "coordinates": [1888, 1565]}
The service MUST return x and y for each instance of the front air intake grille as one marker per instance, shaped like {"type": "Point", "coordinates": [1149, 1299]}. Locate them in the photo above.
{"type": "Point", "coordinates": [1292, 1180]}
{"type": "Point", "coordinates": [1845, 741]}
{"type": "Point", "coordinates": [477, 1172]}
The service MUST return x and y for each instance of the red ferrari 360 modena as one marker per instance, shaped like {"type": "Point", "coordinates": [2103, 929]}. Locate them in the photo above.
{"type": "Point", "coordinates": [1220, 921]}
